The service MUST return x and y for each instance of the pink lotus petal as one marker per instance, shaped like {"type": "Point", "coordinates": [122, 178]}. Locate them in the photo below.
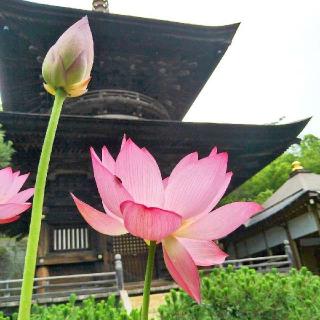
{"type": "Point", "coordinates": [213, 152]}
{"type": "Point", "coordinates": [148, 154]}
{"type": "Point", "coordinates": [16, 185]}
{"type": "Point", "coordinates": [111, 214]}
{"type": "Point", "coordinates": [98, 220]}
{"type": "Point", "coordinates": [77, 70]}
{"type": "Point", "coordinates": [123, 141]}
{"type": "Point", "coordinates": [140, 175]}
{"type": "Point", "coordinates": [203, 252]}
{"type": "Point", "coordinates": [165, 182]}
{"type": "Point", "coordinates": [6, 180]}
{"type": "Point", "coordinates": [181, 267]}
{"type": "Point", "coordinates": [22, 196]}
{"type": "Point", "coordinates": [12, 203]}
{"type": "Point", "coordinates": [222, 180]}
{"type": "Point", "coordinates": [4, 221]}
{"type": "Point", "coordinates": [107, 160]}
{"type": "Point", "coordinates": [73, 41]}
{"type": "Point", "coordinates": [149, 223]}
{"type": "Point", "coordinates": [10, 210]}
{"type": "Point", "coordinates": [110, 188]}
{"type": "Point", "coordinates": [220, 191]}
{"type": "Point", "coordinates": [184, 163]}
{"type": "Point", "coordinates": [5, 173]}
{"type": "Point", "coordinates": [191, 190]}
{"type": "Point", "coordinates": [220, 222]}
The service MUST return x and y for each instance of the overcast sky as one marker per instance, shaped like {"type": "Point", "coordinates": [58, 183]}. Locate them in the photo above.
{"type": "Point", "coordinates": [270, 71]}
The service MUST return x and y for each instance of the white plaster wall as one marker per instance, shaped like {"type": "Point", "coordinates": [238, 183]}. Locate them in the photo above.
{"type": "Point", "coordinates": [241, 248]}
{"type": "Point", "coordinates": [256, 243]}
{"type": "Point", "coordinates": [275, 236]}
{"type": "Point", "coordinates": [302, 225]}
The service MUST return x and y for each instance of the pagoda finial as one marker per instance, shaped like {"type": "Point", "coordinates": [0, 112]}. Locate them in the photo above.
{"type": "Point", "coordinates": [296, 165]}
{"type": "Point", "coordinates": [100, 5]}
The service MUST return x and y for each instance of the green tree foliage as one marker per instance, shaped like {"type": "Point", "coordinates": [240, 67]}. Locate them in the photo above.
{"type": "Point", "coordinates": [244, 294]}
{"type": "Point", "coordinates": [6, 150]}
{"type": "Point", "coordinates": [263, 184]}
{"type": "Point", "coordinates": [310, 153]}
{"type": "Point", "coordinates": [89, 309]}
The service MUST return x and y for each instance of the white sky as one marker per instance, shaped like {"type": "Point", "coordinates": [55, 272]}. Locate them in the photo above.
{"type": "Point", "coordinates": [272, 68]}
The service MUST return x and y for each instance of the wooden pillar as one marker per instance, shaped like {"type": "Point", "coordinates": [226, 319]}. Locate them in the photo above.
{"type": "Point", "coordinates": [43, 249]}
{"type": "Point", "coordinates": [42, 272]}
{"type": "Point", "coordinates": [294, 248]}
{"type": "Point", "coordinates": [236, 251]}
{"type": "Point", "coordinates": [103, 250]}
{"type": "Point", "coordinates": [246, 246]}
{"type": "Point", "coordinates": [98, 244]}
{"type": "Point", "coordinates": [229, 246]}
{"type": "Point", "coordinates": [288, 252]}
{"type": "Point", "coordinates": [315, 209]}
{"type": "Point", "coordinates": [266, 243]}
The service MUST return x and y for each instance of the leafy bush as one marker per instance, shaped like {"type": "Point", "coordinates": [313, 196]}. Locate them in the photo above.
{"type": "Point", "coordinates": [88, 310]}
{"type": "Point", "coordinates": [6, 150]}
{"type": "Point", "coordinates": [12, 253]}
{"type": "Point", "coordinates": [245, 294]}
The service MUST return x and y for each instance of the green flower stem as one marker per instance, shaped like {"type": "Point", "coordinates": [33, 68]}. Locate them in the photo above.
{"type": "Point", "coordinates": [37, 209]}
{"type": "Point", "coordinates": [147, 280]}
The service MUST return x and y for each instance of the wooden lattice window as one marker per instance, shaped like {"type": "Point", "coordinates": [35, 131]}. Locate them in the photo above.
{"type": "Point", "coordinates": [70, 238]}
{"type": "Point", "coordinates": [127, 244]}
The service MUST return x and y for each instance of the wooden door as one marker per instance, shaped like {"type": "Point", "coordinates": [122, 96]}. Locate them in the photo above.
{"type": "Point", "coordinates": [134, 253]}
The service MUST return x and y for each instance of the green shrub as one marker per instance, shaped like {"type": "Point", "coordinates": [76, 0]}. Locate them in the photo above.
{"type": "Point", "coordinates": [6, 150]}
{"type": "Point", "coordinates": [245, 294]}
{"type": "Point", "coordinates": [89, 309]}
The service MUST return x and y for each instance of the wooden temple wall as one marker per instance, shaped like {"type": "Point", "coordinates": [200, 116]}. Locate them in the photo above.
{"type": "Point", "coordinates": [301, 229]}
{"type": "Point", "coordinates": [298, 227]}
{"type": "Point", "coordinates": [79, 249]}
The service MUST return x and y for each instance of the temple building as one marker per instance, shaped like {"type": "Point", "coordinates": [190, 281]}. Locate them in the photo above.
{"type": "Point", "coordinates": [147, 73]}
{"type": "Point", "coordinates": [292, 213]}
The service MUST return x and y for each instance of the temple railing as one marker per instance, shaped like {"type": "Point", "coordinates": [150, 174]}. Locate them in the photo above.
{"type": "Point", "coordinates": [58, 289]}
{"type": "Point", "coordinates": [261, 264]}
{"type": "Point", "coordinates": [283, 262]}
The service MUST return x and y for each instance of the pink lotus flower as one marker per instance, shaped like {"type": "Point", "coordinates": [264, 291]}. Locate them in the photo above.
{"type": "Point", "coordinates": [175, 211]}
{"type": "Point", "coordinates": [13, 202]}
{"type": "Point", "coordinates": [68, 62]}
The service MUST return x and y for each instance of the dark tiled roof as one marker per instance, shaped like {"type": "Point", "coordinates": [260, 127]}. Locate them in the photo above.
{"type": "Point", "coordinates": [274, 209]}
{"type": "Point", "coordinates": [169, 62]}
{"type": "Point", "coordinates": [250, 147]}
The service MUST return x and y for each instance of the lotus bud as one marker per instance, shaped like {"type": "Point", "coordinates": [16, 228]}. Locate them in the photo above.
{"type": "Point", "coordinates": [68, 62]}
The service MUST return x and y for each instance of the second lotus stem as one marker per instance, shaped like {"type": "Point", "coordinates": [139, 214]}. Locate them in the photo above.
{"type": "Point", "coordinates": [147, 280]}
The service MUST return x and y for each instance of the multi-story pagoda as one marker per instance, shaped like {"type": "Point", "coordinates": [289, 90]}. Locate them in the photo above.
{"type": "Point", "coordinates": [147, 73]}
